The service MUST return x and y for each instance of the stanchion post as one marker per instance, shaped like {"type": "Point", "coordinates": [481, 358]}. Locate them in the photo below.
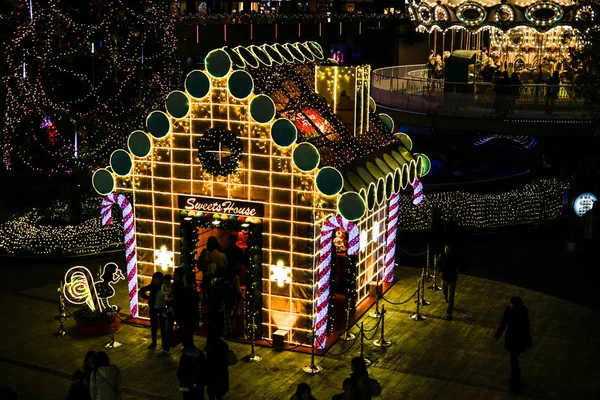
{"type": "Point", "coordinates": [252, 358]}
{"type": "Point", "coordinates": [62, 314]}
{"type": "Point", "coordinates": [381, 342]}
{"type": "Point", "coordinates": [347, 336]}
{"type": "Point", "coordinates": [362, 344]}
{"type": "Point", "coordinates": [376, 313]}
{"type": "Point", "coordinates": [421, 299]}
{"type": "Point", "coordinates": [428, 264]}
{"type": "Point", "coordinates": [434, 286]}
{"type": "Point", "coordinates": [417, 315]}
{"type": "Point", "coordinates": [113, 343]}
{"type": "Point", "coordinates": [244, 319]}
{"type": "Point", "coordinates": [312, 368]}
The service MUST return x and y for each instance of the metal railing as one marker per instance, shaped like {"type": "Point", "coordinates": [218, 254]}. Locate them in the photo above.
{"type": "Point", "coordinates": [407, 88]}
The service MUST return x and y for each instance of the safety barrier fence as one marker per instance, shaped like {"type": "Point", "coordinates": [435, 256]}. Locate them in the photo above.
{"type": "Point", "coordinates": [407, 88]}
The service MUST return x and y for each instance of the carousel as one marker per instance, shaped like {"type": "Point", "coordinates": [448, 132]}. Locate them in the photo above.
{"type": "Point", "coordinates": [533, 38]}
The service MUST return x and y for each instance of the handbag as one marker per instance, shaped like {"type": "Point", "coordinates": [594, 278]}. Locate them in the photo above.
{"type": "Point", "coordinates": [231, 358]}
{"type": "Point", "coordinates": [374, 387]}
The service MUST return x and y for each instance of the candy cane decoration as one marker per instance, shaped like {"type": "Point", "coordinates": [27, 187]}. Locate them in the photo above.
{"type": "Point", "coordinates": [325, 247]}
{"type": "Point", "coordinates": [417, 192]}
{"type": "Point", "coordinates": [392, 228]}
{"type": "Point", "coordinates": [130, 249]}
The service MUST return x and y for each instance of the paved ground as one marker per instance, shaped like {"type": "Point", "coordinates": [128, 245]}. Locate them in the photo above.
{"type": "Point", "coordinates": [457, 359]}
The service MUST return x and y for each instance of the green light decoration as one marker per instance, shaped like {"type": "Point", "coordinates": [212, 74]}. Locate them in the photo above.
{"type": "Point", "coordinates": [274, 54]}
{"type": "Point", "coordinates": [178, 104]}
{"type": "Point", "coordinates": [139, 144]}
{"type": "Point", "coordinates": [329, 181]}
{"type": "Point", "coordinates": [372, 105]}
{"type": "Point", "coordinates": [158, 124]}
{"type": "Point", "coordinates": [103, 181]}
{"type": "Point", "coordinates": [397, 180]}
{"type": "Point", "coordinates": [316, 49]}
{"type": "Point", "coordinates": [261, 55]}
{"type": "Point", "coordinates": [249, 58]}
{"type": "Point", "coordinates": [306, 157]}
{"type": "Point", "coordinates": [387, 121]}
{"type": "Point", "coordinates": [262, 109]}
{"type": "Point", "coordinates": [371, 196]}
{"type": "Point", "coordinates": [240, 85]}
{"type": "Point", "coordinates": [220, 151]}
{"type": "Point", "coordinates": [121, 162]}
{"type": "Point", "coordinates": [284, 132]}
{"type": "Point", "coordinates": [405, 140]}
{"type": "Point", "coordinates": [423, 164]}
{"type": "Point", "coordinates": [197, 84]}
{"type": "Point", "coordinates": [389, 186]}
{"type": "Point", "coordinates": [238, 62]}
{"type": "Point", "coordinates": [351, 206]}
{"type": "Point", "coordinates": [218, 63]}
{"type": "Point", "coordinates": [380, 194]}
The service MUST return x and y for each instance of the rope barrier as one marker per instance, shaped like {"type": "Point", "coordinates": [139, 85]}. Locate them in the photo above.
{"type": "Point", "coordinates": [412, 254]}
{"type": "Point", "coordinates": [374, 334]}
{"type": "Point", "coordinates": [345, 351]}
{"type": "Point", "coordinates": [402, 302]}
{"type": "Point", "coordinates": [373, 328]}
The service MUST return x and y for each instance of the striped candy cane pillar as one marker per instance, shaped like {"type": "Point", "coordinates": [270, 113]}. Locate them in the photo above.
{"type": "Point", "coordinates": [392, 228]}
{"type": "Point", "coordinates": [325, 247]}
{"type": "Point", "coordinates": [130, 254]}
{"type": "Point", "coordinates": [417, 192]}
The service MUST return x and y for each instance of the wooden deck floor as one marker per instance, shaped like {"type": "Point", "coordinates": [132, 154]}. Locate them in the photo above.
{"type": "Point", "coordinates": [455, 360]}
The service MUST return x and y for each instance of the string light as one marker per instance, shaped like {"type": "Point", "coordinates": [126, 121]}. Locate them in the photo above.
{"type": "Point", "coordinates": [536, 201]}
{"type": "Point", "coordinates": [108, 93]}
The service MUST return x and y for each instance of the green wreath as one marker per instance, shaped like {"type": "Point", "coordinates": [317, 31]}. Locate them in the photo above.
{"type": "Point", "coordinates": [213, 145]}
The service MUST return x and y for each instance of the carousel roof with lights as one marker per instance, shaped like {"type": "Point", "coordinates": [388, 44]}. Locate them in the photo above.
{"type": "Point", "coordinates": [542, 15]}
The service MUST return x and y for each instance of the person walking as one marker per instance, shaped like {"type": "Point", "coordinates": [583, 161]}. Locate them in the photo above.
{"type": "Point", "coordinates": [303, 392]}
{"type": "Point", "coordinates": [449, 265]}
{"type": "Point", "coordinates": [105, 381]}
{"type": "Point", "coordinates": [363, 386]}
{"type": "Point", "coordinates": [517, 338]}
{"type": "Point", "coordinates": [191, 374]}
{"type": "Point", "coordinates": [157, 304]}
{"type": "Point", "coordinates": [217, 366]}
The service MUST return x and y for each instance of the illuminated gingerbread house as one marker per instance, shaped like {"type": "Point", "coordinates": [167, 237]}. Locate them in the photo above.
{"type": "Point", "coordinates": [282, 147]}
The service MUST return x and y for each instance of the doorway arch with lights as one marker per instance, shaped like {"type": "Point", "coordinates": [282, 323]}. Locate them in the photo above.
{"type": "Point", "coordinates": [230, 218]}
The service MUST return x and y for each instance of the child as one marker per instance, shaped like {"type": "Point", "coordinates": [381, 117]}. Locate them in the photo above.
{"type": "Point", "coordinates": [168, 315]}
{"type": "Point", "coordinates": [157, 304]}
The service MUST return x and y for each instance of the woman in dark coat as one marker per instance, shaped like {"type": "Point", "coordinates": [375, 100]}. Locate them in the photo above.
{"type": "Point", "coordinates": [518, 336]}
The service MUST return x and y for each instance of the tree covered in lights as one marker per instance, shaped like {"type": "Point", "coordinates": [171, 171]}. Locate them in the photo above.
{"type": "Point", "coordinates": [79, 77]}
{"type": "Point", "coordinates": [584, 61]}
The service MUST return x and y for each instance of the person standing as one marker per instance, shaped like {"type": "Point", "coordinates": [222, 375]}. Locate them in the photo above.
{"type": "Point", "coordinates": [190, 313]}
{"type": "Point", "coordinates": [449, 265]}
{"type": "Point", "coordinates": [217, 366]}
{"type": "Point", "coordinates": [167, 291]}
{"type": "Point", "coordinates": [105, 382]}
{"type": "Point", "coordinates": [191, 374]}
{"type": "Point", "coordinates": [363, 387]}
{"type": "Point", "coordinates": [157, 304]}
{"type": "Point", "coordinates": [303, 392]}
{"type": "Point", "coordinates": [552, 90]}
{"type": "Point", "coordinates": [178, 305]}
{"type": "Point", "coordinates": [517, 338]}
